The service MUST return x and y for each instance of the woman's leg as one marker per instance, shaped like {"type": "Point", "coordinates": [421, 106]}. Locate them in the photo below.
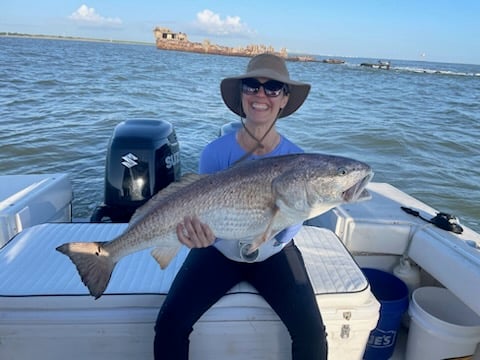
{"type": "Point", "coordinates": [205, 277]}
{"type": "Point", "coordinates": [284, 283]}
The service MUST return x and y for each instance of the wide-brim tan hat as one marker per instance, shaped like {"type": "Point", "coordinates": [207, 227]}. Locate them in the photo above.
{"type": "Point", "coordinates": [264, 66]}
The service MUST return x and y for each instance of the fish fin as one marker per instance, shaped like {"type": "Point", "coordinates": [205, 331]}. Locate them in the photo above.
{"type": "Point", "coordinates": [164, 255]}
{"type": "Point", "coordinates": [156, 199]}
{"type": "Point", "coordinates": [267, 234]}
{"type": "Point", "coordinates": [93, 263]}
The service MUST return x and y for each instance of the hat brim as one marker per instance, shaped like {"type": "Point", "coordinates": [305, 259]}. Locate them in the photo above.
{"type": "Point", "coordinates": [231, 91]}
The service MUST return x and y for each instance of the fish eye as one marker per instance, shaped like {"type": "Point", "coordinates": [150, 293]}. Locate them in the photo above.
{"type": "Point", "coordinates": [341, 171]}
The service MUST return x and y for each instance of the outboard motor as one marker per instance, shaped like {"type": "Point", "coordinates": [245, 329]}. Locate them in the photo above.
{"type": "Point", "coordinates": [143, 157]}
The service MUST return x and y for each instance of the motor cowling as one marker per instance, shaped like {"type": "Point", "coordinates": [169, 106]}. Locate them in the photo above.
{"type": "Point", "coordinates": [143, 157]}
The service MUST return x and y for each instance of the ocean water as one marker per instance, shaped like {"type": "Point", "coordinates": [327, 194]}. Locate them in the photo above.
{"type": "Point", "coordinates": [417, 124]}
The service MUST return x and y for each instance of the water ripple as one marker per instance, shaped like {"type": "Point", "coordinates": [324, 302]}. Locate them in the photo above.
{"type": "Point", "coordinates": [418, 125]}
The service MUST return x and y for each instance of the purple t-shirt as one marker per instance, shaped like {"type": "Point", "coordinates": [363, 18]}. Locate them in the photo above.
{"type": "Point", "coordinates": [224, 151]}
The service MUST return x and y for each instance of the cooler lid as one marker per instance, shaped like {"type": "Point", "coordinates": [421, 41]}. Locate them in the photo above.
{"type": "Point", "coordinates": [30, 265]}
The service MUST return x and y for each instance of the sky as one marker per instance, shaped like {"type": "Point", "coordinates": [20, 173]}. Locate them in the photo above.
{"type": "Point", "coordinates": [430, 30]}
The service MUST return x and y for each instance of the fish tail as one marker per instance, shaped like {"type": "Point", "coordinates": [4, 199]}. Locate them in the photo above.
{"type": "Point", "coordinates": [94, 264]}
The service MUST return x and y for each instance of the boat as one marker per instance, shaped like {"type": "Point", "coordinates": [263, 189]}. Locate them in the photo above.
{"type": "Point", "coordinates": [378, 65]}
{"type": "Point", "coordinates": [45, 309]}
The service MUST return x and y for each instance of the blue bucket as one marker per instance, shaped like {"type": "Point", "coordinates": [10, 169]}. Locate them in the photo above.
{"type": "Point", "coordinates": [392, 293]}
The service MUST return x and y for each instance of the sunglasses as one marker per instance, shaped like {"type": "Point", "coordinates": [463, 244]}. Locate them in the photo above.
{"type": "Point", "coordinates": [272, 88]}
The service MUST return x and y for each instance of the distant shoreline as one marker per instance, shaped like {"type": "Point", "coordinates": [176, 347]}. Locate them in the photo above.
{"type": "Point", "coordinates": [94, 40]}
{"type": "Point", "coordinates": [72, 38]}
{"type": "Point", "coordinates": [5, 34]}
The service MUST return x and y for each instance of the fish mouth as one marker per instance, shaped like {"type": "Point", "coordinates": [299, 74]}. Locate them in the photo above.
{"type": "Point", "coordinates": [357, 191]}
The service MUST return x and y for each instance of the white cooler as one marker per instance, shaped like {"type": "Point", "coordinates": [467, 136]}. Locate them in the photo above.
{"type": "Point", "coordinates": [45, 309]}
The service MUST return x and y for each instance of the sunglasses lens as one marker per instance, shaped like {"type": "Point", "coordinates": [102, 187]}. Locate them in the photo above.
{"type": "Point", "coordinates": [272, 88]}
{"type": "Point", "coordinates": [251, 86]}
{"type": "Point", "coordinates": [273, 85]}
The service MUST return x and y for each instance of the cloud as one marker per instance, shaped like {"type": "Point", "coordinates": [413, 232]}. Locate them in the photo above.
{"type": "Point", "coordinates": [213, 24]}
{"type": "Point", "coordinates": [88, 16]}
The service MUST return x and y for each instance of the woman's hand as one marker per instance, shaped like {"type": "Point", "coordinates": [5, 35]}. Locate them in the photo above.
{"type": "Point", "coordinates": [194, 234]}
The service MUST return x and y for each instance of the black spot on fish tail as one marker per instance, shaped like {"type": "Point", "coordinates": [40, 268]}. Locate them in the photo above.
{"type": "Point", "coordinates": [93, 263]}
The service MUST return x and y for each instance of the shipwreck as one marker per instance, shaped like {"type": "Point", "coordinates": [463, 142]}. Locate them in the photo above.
{"type": "Point", "coordinates": [165, 39]}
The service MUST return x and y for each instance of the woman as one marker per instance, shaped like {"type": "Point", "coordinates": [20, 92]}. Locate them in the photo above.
{"type": "Point", "coordinates": [262, 95]}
